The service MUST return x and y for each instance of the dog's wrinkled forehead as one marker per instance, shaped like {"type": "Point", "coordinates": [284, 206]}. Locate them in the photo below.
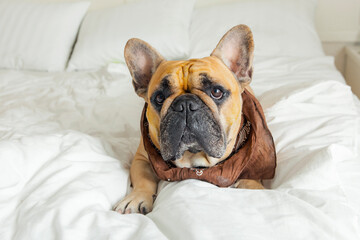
{"type": "Point", "coordinates": [191, 75]}
{"type": "Point", "coordinates": [231, 57]}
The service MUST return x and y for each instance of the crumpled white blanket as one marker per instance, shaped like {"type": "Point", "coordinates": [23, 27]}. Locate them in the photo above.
{"type": "Point", "coordinates": [67, 140]}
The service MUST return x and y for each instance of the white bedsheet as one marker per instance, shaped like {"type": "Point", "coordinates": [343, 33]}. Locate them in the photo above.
{"type": "Point", "coordinates": [67, 140]}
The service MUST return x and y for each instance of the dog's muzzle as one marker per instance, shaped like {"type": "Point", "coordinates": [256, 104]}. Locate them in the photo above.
{"type": "Point", "coordinates": [189, 125]}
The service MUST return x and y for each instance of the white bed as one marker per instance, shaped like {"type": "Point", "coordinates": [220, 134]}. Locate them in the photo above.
{"type": "Point", "coordinates": [67, 140]}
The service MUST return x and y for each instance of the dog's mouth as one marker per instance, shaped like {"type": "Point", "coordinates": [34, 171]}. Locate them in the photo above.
{"type": "Point", "coordinates": [189, 143]}
{"type": "Point", "coordinates": [193, 131]}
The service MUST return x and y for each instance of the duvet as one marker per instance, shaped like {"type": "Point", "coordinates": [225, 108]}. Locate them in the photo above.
{"type": "Point", "coordinates": [67, 140]}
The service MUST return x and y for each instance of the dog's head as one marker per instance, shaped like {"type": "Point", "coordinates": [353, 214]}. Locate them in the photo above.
{"type": "Point", "coordinates": [194, 106]}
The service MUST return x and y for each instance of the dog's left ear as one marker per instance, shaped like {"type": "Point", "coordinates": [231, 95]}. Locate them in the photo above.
{"type": "Point", "coordinates": [236, 50]}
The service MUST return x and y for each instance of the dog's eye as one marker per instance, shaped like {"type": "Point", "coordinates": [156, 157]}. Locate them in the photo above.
{"type": "Point", "coordinates": [216, 93]}
{"type": "Point", "coordinates": [160, 98]}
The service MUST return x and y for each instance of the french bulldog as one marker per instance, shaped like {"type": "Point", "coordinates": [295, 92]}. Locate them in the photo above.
{"type": "Point", "coordinates": [193, 111]}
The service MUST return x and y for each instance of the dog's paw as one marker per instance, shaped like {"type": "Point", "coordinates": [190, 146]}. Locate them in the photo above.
{"type": "Point", "coordinates": [249, 184]}
{"type": "Point", "coordinates": [136, 202]}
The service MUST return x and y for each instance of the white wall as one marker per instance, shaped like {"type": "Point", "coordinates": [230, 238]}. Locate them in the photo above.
{"type": "Point", "coordinates": [338, 20]}
{"type": "Point", "coordinates": [338, 25]}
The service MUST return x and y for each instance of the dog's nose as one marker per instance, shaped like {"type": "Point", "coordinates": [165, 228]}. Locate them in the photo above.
{"type": "Point", "coordinates": [188, 102]}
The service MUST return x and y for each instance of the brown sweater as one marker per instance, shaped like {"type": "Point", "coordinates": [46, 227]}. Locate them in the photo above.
{"type": "Point", "coordinates": [253, 157]}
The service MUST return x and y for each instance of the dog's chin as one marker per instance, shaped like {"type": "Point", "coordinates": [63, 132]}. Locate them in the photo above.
{"type": "Point", "coordinates": [199, 159]}
{"type": "Point", "coordinates": [189, 144]}
{"type": "Point", "coordinates": [183, 147]}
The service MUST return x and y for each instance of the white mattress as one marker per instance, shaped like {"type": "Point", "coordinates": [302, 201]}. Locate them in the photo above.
{"type": "Point", "coordinates": [67, 140]}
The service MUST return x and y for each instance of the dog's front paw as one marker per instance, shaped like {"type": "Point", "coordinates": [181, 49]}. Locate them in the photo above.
{"type": "Point", "coordinates": [136, 202]}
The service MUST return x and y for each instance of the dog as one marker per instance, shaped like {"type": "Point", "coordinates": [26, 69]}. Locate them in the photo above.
{"type": "Point", "coordinates": [193, 121]}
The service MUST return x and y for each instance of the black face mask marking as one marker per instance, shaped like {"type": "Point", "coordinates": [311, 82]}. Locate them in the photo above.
{"type": "Point", "coordinates": [189, 125]}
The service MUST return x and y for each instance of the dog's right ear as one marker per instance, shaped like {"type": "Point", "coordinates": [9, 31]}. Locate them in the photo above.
{"type": "Point", "coordinates": [142, 61]}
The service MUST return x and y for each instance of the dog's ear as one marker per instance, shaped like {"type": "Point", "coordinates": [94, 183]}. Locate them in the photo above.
{"type": "Point", "coordinates": [142, 61]}
{"type": "Point", "coordinates": [236, 50]}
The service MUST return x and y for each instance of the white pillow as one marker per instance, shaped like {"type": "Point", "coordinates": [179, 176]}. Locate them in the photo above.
{"type": "Point", "coordinates": [164, 24]}
{"type": "Point", "coordinates": [38, 36]}
{"type": "Point", "coordinates": [280, 27]}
